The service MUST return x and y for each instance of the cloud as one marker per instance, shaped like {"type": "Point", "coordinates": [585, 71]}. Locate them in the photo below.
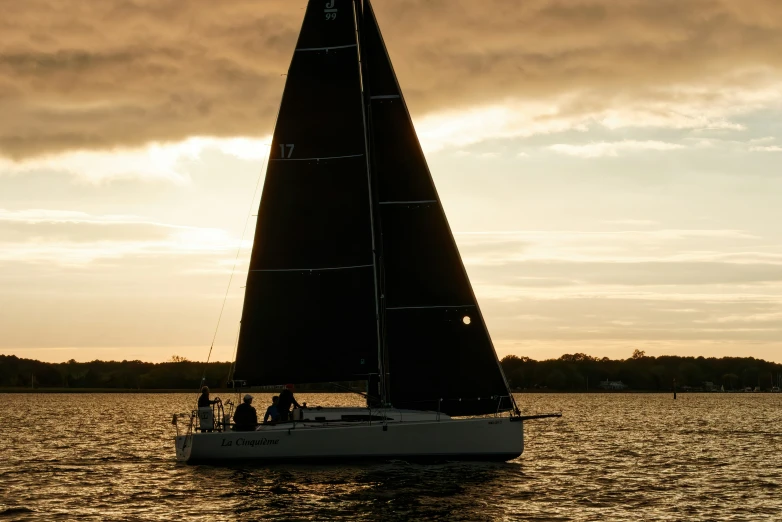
{"type": "Point", "coordinates": [612, 149]}
{"type": "Point", "coordinates": [116, 73]}
{"type": "Point", "coordinates": [72, 238]}
{"type": "Point", "coordinates": [771, 317]}
{"type": "Point", "coordinates": [632, 222]}
{"type": "Point", "coordinates": [663, 265]}
{"type": "Point", "coordinates": [636, 274]}
{"type": "Point", "coordinates": [542, 282]}
{"type": "Point", "coordinates": [79, 279]}
{"type": "Point", "coordinates": [468, 126]}
{"type": "Point", "coordinates": [495, 248]}
{"type": "Point", "coordinates": [768, 148]}
{"type": "Point", "coordinates": [154, 161]}
{"type": "Point", "coordinates": [609, 325]}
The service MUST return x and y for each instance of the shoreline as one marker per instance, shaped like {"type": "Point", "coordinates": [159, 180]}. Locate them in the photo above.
{"type": "Point", "coordinates": [227, 391]}
{"type": "Point", "coordinates": [212, 391]}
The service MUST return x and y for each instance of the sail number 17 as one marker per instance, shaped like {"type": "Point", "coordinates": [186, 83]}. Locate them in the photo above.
{"type": "Point", "coordinates": [283, 146]}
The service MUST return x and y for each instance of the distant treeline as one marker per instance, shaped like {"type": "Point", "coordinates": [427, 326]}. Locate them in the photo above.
{"type": "Point", "coordinates": [571, 372]}
{"type": "Point", "coordinates": [641, 372]}
{"type": "Point", "coordinates": [177, 374]}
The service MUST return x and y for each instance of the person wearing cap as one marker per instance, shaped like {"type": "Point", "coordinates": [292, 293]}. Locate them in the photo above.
{"type": "Point", "coordinates": [285, 402]}
{"type": "Point", "coordinates": [245, 417]}
{"type": "Point", "coordinates": [203, 400]}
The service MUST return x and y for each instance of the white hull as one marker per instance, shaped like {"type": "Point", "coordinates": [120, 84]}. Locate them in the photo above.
{"type": "Point", "coordinates": [494, 438]}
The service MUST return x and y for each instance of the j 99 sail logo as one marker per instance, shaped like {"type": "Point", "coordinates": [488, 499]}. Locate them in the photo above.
{"type": "Point", "coordinates": [330, 10]}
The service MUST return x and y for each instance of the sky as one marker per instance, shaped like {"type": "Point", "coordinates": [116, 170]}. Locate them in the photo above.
{"type": "Point", "coordinates": [612, 171]}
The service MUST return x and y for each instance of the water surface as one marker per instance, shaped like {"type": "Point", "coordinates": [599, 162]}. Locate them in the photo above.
{"type": "Point", "coordinates": [610, 457]}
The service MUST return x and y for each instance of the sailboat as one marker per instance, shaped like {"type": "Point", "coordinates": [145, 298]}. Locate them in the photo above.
{"type": "Point", "coordinates": [355, 275]}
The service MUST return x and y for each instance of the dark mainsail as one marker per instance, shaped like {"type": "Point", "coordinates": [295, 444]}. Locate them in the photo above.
{"type": "Point", "coordinates": [432, 354]}
{"type": "Point", "coordinates": [344, 231]}
{"type": "Point", "coordinates": [309, 307]}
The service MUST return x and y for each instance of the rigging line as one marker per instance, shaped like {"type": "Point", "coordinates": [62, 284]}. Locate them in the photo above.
{"type": "Point", "coordinates": [236, 349]}
{"type": "Point", "coordinates": [236, 260]}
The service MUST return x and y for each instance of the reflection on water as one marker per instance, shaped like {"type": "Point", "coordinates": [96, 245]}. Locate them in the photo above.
{"type": "Point", "coordinates": [387, 491]}
{"type": "Point", "coordinates": [618, 457]}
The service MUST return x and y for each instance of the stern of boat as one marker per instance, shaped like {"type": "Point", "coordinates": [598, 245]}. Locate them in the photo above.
{"type": "Point", "coordinates": [183, 441]}
{"type": "Point", "coordinates": [183, 445]}
{"type": "Point", "coordinates": [519, 422]}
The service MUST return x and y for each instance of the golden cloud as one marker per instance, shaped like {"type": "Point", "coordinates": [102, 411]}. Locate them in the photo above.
{"type": "Point", "coordinates": [93, 75]}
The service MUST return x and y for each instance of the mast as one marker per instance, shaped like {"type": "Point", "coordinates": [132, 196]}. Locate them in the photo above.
{"type": "Point", "coordinates": [374, 222]}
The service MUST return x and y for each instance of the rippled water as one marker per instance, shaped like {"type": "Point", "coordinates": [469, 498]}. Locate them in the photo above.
{"type": "Point", "coordinates": [610, 457]}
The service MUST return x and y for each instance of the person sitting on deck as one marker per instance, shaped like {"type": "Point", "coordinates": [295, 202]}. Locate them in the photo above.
{"type": "Point", "coordinates": [203, 400]}
{"type": "Point", "coordinates": [272, 412]}
{"type": "Point", "coordinates": [284, 405]}
{"type": "Point", "coordinates": [245, 417]}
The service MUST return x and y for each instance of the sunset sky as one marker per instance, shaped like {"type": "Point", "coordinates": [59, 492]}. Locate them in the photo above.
{"type": "Point", "coordinates": [612, 170]}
